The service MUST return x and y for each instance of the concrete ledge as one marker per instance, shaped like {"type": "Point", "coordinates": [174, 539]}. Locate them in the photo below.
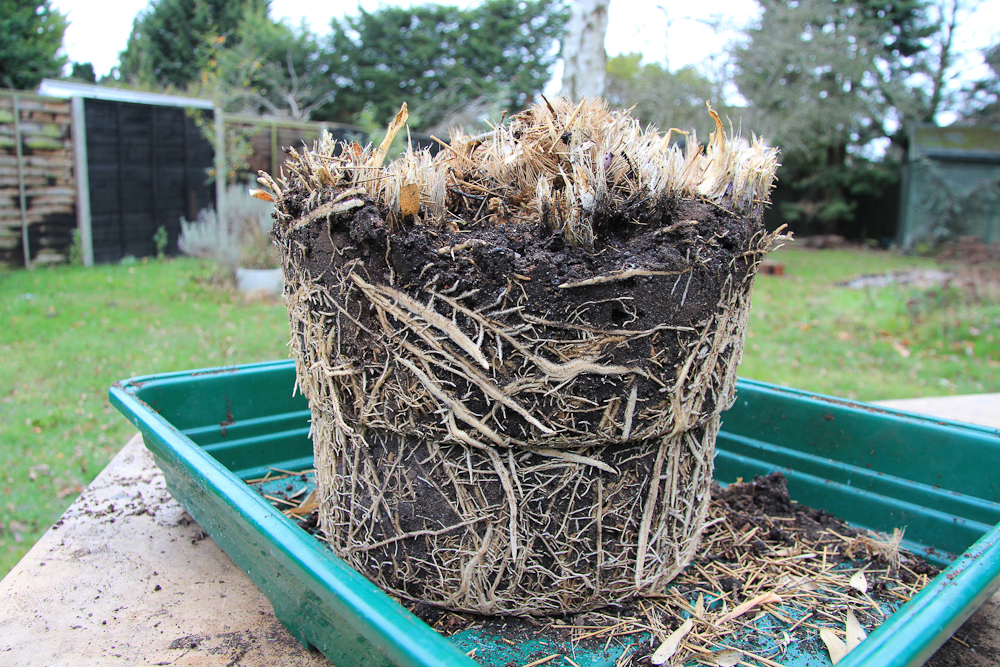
{"type": "Point", "coordinates": [126, 577]}
{"type": "Point", "coordinates": [981, 409]}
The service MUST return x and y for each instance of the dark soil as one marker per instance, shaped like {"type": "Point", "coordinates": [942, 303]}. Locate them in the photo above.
{"type": "Point", "coordinates": [763, 504]}
{"type": "Point", "coordinates": [758, 503]}
{"type": "Point", "coordinates": [430, 500]}
{"type": "Point", "coordinates": [519, 260]}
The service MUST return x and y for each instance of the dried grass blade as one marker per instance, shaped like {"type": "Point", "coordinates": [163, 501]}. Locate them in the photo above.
{"type": "Point", "coordinates": [261, 194]}
{"type": "Point", "coordinates": [308, 505]}
{"type": "Point", "coordinates": [855, 631]}
{"type": "Point", "coordinates": [739, 610]}
{"type": "Point", "coordinates": [726, 658]}
{"type": "Point", "coordinates": [669, 646]}
{"type": "Point", "coordinates": [409, 200]}
{"type": "Point", "coordinates": [836, 646]}
{"type": "Point", "coordinates": [858, 582]}
{"type": "Point", "coordinates": [394, 127]}
{"type": "Point", "coordinates": [699, 606]}
{"type": "Point", "coordinates": [542, 661]}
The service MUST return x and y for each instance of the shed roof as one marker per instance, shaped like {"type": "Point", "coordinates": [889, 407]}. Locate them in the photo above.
{"type": "Point", "coordinates": [957, 142]}
{"type": "Point", "coordinates": [53, 88]}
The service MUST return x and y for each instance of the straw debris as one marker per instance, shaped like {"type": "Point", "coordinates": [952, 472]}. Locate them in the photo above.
{"type": "Point", "coordinates": [770, 585]}
{"type": "Point", "coordinates": [516, 350]}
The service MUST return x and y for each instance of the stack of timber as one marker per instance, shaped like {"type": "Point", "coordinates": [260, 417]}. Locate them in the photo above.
{"type": "Point", "coordinates": [37, 188]}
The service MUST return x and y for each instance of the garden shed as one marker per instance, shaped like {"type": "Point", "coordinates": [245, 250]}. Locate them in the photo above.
{"type": "Point", "coordinates": [118, 165]}
{"type": "Point", "coordinates": [951, 185]}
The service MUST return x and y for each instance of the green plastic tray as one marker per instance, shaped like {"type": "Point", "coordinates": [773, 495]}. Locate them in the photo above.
{"type": "Point", "coordinates": [880, 469]}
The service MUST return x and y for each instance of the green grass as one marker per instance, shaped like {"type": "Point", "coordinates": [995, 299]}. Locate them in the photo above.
{"type": "Point", "coordinates": [68, 333]}
{"type": "Point", "coordinates": [872, 343]}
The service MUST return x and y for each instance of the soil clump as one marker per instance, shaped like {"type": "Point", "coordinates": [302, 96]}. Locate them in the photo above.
{"type": "Point", "coordinates": [516, 353]}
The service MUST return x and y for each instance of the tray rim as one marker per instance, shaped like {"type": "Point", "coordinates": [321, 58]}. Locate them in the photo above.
{"type": "Point", "coordinates": [376, 616]}
{"type": "Point", "coordinates": [908, 638]}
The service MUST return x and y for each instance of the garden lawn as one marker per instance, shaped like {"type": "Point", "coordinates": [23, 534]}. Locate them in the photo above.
{"type": "Point", "coordinates": [873, 343]}
{"type": "Point", "coordinates": [68, 333]}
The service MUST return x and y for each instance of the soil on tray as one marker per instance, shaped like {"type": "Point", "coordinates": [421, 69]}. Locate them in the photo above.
{"type": "Point", "coordinates": [757, 539]}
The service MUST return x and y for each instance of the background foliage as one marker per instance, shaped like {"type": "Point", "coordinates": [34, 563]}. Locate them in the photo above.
{"type": "Point", "coordinates": [442, 57]}
{"type": "Point", "coordinates": [173, 40]}
{"type": "Point", "coordinates": [31, 34]}
{"type": "Point", "coordinates": [268, 68]}
{"type": "Point", "coordinates": [663, 98]}
{"type": "Point", "coordinates": [837, 84]}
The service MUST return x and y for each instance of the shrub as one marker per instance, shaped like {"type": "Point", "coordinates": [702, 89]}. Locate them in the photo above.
{"type": "Point", "coordinates": [242, 239]}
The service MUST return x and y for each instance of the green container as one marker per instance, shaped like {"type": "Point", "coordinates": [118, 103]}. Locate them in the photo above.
{"type": "Point", "coordinates": [880, 469]}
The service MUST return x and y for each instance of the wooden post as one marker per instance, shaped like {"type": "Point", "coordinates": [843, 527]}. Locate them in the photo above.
{"type": "Point", "coordinates": [20, 184]}
{"type": "Point", "coordinates": [220, 164]}
{"type": "Point", "coordinates": [82, 173]}
{"type": "Point", "coordinates": [274, 149]}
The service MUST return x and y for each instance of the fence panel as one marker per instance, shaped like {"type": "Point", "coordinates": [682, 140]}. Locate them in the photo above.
{"type": "Point", "coordinates": [148, 167]}
{"type": "Point", "coordinates": [37, 188]}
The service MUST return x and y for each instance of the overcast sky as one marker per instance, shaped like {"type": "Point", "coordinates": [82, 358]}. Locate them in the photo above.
{"type": "Point", "coordinates": [98, 31]}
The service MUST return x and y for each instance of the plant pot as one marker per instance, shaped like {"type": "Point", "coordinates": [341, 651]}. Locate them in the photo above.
{"type": "Point", "coordinates": [260, 281]}
{"type": "Point", "coordinates": [516, 375]}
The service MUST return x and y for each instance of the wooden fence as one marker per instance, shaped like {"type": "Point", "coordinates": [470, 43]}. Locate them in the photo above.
{"type": "Point", "coordinates": [268, 137]}
{"type": "Point", "coordinates": [37, 188]}
{"type": "Point", "coordinates": [147, 167]}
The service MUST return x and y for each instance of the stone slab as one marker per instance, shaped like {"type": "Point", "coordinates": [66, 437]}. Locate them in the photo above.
{"type": "Point", "coordinates": [982, 409]}
{"type": "Point", "coordinates": [126, 577]}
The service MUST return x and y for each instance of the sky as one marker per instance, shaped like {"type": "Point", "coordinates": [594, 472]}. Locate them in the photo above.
{"type": "Point", "coordinates": [634, 25]}
{"type": "Point", "coordinates": [685, 38]}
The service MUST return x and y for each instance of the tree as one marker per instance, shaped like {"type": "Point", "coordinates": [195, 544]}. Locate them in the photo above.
{"type": "Point", "coordinates": [173, 40]}
{"type": "Point", "coordinates": [662, 98]}
{"type": "Point", "coordinates": [269, 69]}
{"type": "Point", "coordinates": [31, 35]}
{"type": "Point", "coordinates": [983, 97]}
{"type": "Point", "coordinates": [584, 58]}
{"type": "Point", "coordinates": [828, 80]}
{"type": "Point", "coordinates": [438, 58]}
{"type": "Point", "coordinates": [938, 60]}
{"type": "Point", "coordinates": [83, 72]}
